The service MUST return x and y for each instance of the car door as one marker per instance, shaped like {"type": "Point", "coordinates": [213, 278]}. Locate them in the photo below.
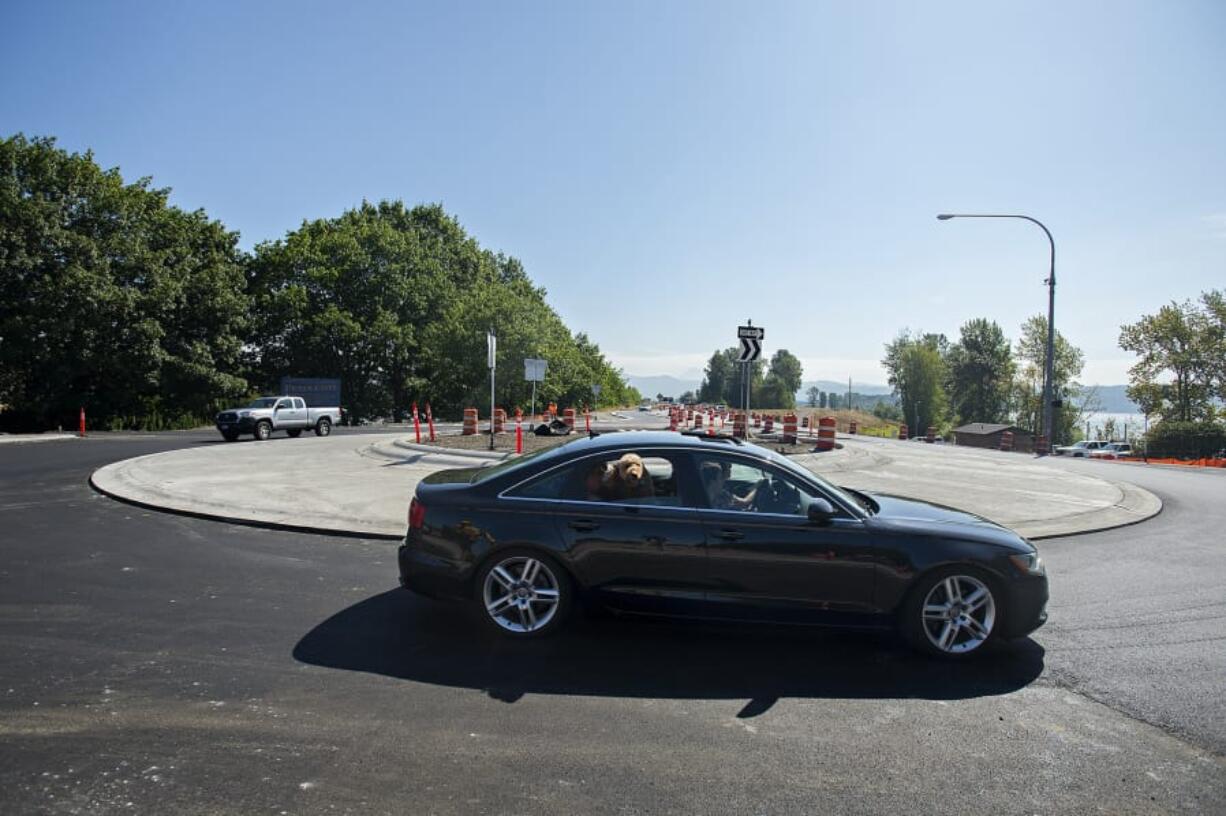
{"type": "Point", "coordinates": [766, 559]}
{"type": "Point", "coordinates": [638, 550]}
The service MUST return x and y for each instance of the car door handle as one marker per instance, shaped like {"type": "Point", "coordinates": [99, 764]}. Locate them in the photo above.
{"type": "Point", "coordinates": [583, 525]}
{"type": "Point", "coordinates": [728, 534]}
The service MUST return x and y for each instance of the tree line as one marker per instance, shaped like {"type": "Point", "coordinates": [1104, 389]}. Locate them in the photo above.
{"type": "Point", "coordinates": [153, 317]}
{"type": "Point", "coordinates": [771, 387]}
{"type": "Point", "coordinates": [983, 377]}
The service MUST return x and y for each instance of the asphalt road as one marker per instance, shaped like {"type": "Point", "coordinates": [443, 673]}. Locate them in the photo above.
{"type": "Point", "coordinates": [154, 663]}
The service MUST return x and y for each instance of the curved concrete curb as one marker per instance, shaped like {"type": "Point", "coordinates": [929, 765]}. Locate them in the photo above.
{"type": "Point", "coordinates": [360, 485]}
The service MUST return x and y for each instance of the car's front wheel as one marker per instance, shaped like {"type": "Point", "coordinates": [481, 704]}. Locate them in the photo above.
{"type": "Point", "coordinates": [951, 612]}
{"type": "Point", "coordinates": [524, 594]}
{"type": "Point", "coordinates": [263, 430]}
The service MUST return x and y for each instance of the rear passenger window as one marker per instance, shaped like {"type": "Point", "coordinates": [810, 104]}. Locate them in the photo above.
{"type": "Point", "coordinates": [549, 486]}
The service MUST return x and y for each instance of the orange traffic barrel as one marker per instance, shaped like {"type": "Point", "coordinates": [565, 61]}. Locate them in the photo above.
{"type": "Point", "coordinates": [568, 416]}
{"type": "Point", "coordinates": [932, 434]}
{"type": "Point", "coordinates": [851, 427]}
{"type": "Point", "coordinates": [902, 432]}
{"type": "Point", "coordinates": [698, 420]}
{"type": "Point", "coordinates": [770, 424]}
{"type": "Point", "coordinates": [1006, 441]}
{"type": "Point", "coordinates": [1040, 445]}
{"type": "Point", "coordinates": [500, 420]}
{"type": "Point", "coordinates": [738, 426]}
{"type": "Point", "coordinates": [470, 421]}
{"type": "Point", "coordinates": [789, 428]}
{"type": "Point", "coordinates": [825, 433]}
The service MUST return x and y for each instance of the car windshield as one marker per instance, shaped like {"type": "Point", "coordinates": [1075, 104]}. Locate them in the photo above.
{"type": "Point", "coordinates": [262, 402]}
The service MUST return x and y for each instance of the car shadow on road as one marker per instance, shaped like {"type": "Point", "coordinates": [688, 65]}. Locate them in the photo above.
{"type": "Point", "coordinates": [398, 634]}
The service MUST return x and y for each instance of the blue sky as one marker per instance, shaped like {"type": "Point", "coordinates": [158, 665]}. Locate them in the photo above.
{"type": "Point", "coordinates": [667, 170]}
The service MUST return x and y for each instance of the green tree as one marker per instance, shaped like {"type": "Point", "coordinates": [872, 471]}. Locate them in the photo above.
{"type": "Point", "coordinates": [111, 298]}
{"type": "Point", "coordinates": [782, 380]}
{"type": "Point", "coordinates": [814, 395]}
{"type": "Point", "coordinates": [1031, 352]}
{"type": "Point", "coordinates": [916, 369]}
{"type": "Point", "coordinates": [980, 373]}
{"type": "Point", "coordinates": [1178, 341]}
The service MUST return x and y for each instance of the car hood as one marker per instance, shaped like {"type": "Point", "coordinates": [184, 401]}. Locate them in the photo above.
{"type": "Point", "coordinates": [914, 516]}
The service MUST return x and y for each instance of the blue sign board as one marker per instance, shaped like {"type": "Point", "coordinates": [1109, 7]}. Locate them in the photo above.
{"type": "Point", "coordinates": [317, 393]}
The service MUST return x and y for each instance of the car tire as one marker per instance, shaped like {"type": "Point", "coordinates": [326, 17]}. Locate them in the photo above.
{"type": "Point", "coordinates": [523, 593]}
{"type": "Point", "coordinates": [263, 430]}
{"type": "Point", "coordinates": [323, 427]}
{"type": "Point", "coordinates": [295, 433]}
{"type": "Point", "coordinates": [957, 626]}
{"type": "Point", "coordinates": [230, 436]}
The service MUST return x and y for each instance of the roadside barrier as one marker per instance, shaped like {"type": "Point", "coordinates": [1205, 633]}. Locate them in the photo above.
{"type": "Point", "coordinates": [470, 422]}
{"type": "Point", "coordinates": [825, 433]}
{"type": "Point", "coordinates": [430, 421]}
{"type": "Point", "coordinates": [81, 429]}
{"type": "Point", "coordinates": [1040, 445]}
{"type": "Point", "coordinates": [851, 427]}
{"type": "Point", "coordinates": [902, 432]}
{"type": "Point", "coordinates": [1006, 441]}
{"type": "Point", "coordinates": [757, 420]}
{"type": "Point", "coordinates": [500, 420]}
{"type": "Point", "coordinates": [738, 425]}
{"type": "Point", "coordinates": [932, 434]}
{"type": "Point", "coordinates": [519, 430]}
{"type": "Point", "coordinates": [568, 416]}
{"type": "Point", "coordinates": [587, 420]}
{"type": "Point", "coordinates": [416, 424]}
{"type": "Point", "coordinates": [789, 429]}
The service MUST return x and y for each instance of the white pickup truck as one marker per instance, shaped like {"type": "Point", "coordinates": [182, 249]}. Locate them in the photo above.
{"type": "Point", "coordinates": [1084, 448]}
{"type": "Point", "coordinates": [264, 415]}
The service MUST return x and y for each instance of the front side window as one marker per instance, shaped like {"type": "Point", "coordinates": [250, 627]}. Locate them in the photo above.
{"type": "Point", "coordinates": [735, 484]}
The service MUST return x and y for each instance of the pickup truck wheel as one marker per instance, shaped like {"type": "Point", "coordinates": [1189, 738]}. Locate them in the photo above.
{"type": "Point", "coordinates": [295, 433]}
{"type": "Point", "coordinates": [323, 427]}
{"type": "Point", "coordinates": [263, 430]}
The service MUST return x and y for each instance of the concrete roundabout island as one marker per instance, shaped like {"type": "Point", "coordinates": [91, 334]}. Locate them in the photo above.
{"type": "Point", "coordinates": [359, 485]}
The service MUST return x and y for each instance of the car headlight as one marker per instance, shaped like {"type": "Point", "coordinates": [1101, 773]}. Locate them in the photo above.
{"type": "Point", "coordinates": [1029, 563]}
{"type": "Point", "coordinates": [244, 413]}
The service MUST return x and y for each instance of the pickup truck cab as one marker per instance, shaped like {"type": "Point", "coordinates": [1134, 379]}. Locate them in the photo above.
{"type": "Point", "coordinates": [263, 415]}
{"type": "Point", "coordinates": [1113, 450]}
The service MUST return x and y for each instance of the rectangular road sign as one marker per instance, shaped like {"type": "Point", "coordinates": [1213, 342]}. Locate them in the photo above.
{"type": "Point", "coordinates": [491, 342]}
{"type": "Point", "coordinates": [750, 333]}
{"type": "Point", "coordinates": [534, 369]}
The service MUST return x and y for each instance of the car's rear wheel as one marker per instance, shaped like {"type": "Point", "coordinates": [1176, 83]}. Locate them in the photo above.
{"type": "Point", "coordinates": [951, 612]}
{"type": "Point", "coordinates": [524, 594]}
{"type": "Point", "coordinates": [323, 427]}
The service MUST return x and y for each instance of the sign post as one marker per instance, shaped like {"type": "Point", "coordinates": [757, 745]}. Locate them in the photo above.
{"type": "Point", "coordinates": [491, 342]}
{"type": "Point", "coordinates": [751, 338]}
{"type": "Point", "coordinates": [534, 372]}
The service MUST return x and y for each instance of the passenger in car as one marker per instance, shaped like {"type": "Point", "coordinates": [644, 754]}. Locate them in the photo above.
{"type": "Point", "coordinates": [626, 478]}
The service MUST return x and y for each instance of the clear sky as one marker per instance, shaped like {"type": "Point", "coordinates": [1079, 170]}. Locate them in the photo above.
{"type": "Point", "coordinates": [667, 170]}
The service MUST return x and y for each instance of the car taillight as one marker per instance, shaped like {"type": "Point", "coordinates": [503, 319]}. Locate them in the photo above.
{"type": "Point", "coordinates": [417, 514]}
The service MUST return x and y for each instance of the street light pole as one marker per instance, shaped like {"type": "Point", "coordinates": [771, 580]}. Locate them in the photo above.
{"type": "Point", "coordinates": [1049, 408]}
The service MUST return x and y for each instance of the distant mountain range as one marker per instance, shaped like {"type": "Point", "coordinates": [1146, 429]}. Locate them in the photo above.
{"type": "Point", "coordinates": [1110, 397]}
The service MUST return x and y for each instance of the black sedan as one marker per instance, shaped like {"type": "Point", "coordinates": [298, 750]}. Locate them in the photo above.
{"type": "Point", "coordinates": [714, 528]}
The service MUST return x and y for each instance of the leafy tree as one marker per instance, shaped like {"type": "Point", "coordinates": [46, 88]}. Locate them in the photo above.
{"type": "Point", "coordinates": [916, 369]}
{"type": "Point", "coordinates": [822, 399]}
{"type": "Point", "coordinates": [833, 401]}
{"type": "Point", "coordinates": [1180, 341]}
{"type": "Point", "coordinates": [687, 398]}
{"type": "Point", "coordinates": [110, 298]}
{"type": "Point", "coordinates": [717, 378]}
{"type": "Point", "coordinates": [1028, 382]}
{"type": "Point", "coordinates": [782, 380]}
{"type": "Point", "coordinates": [980, 372]}
{"type": "Point", "coordinates": [814, 395]}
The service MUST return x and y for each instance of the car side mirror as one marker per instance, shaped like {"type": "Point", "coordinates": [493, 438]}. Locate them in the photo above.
{"type": "Point", "coordinates": [821, 511]}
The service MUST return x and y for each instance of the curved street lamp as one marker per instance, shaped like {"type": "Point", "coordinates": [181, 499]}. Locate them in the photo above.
{"type": "Point", "coordinates": [1048, 385]}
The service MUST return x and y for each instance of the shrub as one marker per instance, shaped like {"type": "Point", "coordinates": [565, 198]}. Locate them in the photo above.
{"type": "Point", "coordinates": [1185, 440]}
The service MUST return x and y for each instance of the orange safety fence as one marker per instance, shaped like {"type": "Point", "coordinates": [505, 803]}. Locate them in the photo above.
{"type": "Point", "coordinates": [1213, 463]}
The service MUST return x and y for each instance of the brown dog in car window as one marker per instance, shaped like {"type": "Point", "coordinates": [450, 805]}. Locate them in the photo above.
{"type": "Point", "coordinates": [626, 478]}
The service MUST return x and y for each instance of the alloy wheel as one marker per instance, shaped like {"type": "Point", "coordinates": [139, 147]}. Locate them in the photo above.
{"type": "Point", "coordinates": [521, 594]}
{"type": "Point", "coordinates": [958, 614]}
